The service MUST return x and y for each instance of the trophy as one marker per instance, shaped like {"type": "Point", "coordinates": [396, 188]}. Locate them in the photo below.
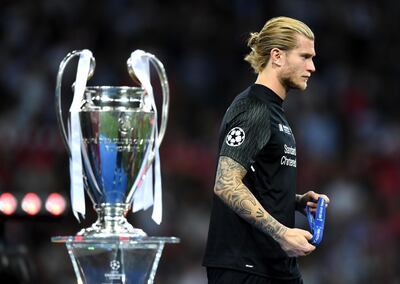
{"type": "Point", "coordinates": [113, 141]}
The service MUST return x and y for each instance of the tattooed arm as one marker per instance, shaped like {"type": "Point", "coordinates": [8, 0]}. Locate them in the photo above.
{"type": "Point", "coordinates": [230, 188]}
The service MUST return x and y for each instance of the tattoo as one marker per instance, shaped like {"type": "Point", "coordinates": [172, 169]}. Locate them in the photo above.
{"type": "Point", "coordinates": [259, 213]}
{"type": "Point", "coordinates": [230, 188]}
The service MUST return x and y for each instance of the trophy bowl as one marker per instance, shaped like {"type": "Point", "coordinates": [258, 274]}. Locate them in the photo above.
{"type": "Point", "coordinates": [117, 130]}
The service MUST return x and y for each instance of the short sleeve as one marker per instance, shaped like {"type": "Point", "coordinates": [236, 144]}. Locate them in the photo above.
{"type": "Point", "coordinates": [246, 133]}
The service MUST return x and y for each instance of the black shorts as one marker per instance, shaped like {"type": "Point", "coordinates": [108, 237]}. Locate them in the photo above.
{"type": "Point", "coordinates": [230, 276]}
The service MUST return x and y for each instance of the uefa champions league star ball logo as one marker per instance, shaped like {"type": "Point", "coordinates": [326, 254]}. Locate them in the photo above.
{"type": "Point", "coordinates": [235, 137]}
{"type": "Point", "coordinates": [114, 264]}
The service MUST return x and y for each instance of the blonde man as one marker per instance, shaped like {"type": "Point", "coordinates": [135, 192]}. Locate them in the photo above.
{"type": "Point", "coordinates": [251, 236]}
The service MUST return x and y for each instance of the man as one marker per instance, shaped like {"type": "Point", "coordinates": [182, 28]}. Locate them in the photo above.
{"type": "Point", "coordinates": [251, 236]}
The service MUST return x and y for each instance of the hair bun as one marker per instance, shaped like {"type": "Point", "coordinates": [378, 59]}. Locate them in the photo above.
{"type": "Point", "coordinates": [253, 40]}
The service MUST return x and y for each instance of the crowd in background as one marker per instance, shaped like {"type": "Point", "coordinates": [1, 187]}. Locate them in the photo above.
{"type": "Point", "coordinates": [346, 124]}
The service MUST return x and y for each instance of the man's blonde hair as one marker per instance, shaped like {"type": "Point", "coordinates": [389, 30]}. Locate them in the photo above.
{"type": "Point", "coordinates": [279, 32]}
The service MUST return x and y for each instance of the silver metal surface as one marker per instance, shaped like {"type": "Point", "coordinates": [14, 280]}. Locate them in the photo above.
{"type": "Point", "coordinates": [116, 142]}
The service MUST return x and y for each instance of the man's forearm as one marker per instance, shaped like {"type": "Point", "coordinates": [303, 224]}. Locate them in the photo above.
{"type": "Point", "coordinates": [230, 188]}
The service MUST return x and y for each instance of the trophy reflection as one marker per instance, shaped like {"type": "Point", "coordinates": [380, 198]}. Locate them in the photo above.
{"type": "Point", "coordinates": [113, 141]}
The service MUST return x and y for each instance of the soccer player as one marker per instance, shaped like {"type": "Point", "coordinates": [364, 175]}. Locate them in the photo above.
{"type": "Point", "coordinates": [251, 237]}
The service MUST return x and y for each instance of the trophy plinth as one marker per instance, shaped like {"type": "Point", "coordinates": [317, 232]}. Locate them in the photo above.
{"type": "Point", "coordinates": [115, 260]}
{"type": "Point", "coordinates": [113, 140]}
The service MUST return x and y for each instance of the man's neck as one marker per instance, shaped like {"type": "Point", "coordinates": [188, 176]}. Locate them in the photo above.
{"type": "Point", "coordinates": [271, 81]}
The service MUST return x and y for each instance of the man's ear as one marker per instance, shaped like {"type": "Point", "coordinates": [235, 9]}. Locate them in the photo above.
{"type": "Point", "coordinates": [277, 57]}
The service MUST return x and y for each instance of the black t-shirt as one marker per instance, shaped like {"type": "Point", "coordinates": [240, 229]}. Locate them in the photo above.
{"type": "Point", "coordinates": [256, 134]}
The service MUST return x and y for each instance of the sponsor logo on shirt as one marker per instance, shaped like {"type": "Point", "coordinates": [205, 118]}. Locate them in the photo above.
{"type": "Point", "coordinates": [235, 137]}
{"type": "Point", "coordinates": [285, 129]}
{"type": "Point", "coordinates": [285, 160]}
{"type": "Point", "coordinates": [289, 150]}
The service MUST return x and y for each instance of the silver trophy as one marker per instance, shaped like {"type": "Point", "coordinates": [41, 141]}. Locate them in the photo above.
{"type": "Point", "coordinates": [118, 139]}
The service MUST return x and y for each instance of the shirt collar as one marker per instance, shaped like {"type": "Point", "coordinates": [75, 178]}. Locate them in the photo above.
{"type": "Point", "coordinates": [265, 94]}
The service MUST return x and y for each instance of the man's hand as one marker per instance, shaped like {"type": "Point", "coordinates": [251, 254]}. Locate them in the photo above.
{"type": "Point", "coordinates": [309, 199]}
{"type": "Point", "coordinates": [295, 242]}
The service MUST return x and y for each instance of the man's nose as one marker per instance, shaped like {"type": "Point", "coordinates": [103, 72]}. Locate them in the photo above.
{"type": "Point", "coordinates": [311, 67]}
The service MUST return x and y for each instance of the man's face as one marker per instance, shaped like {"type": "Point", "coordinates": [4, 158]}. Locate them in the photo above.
{"type": "Point", "coordinates": [298, 65]}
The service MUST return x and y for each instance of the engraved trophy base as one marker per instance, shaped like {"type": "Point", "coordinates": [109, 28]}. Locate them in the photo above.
{"type": "Point", "coordinates": [115, 260]}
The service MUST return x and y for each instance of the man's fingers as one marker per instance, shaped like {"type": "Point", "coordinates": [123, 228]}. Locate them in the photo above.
{"type": "Point", "coordinates": [326, 198]}
{"type": "Point", "coordinates": [306, 250]}
{"type": "Point", "coordinates": [313, 210]}
{"type": "Point", "coordinates": [311, 204]}
{"type": "Point", "coordinates": [313, 195]}
{"type": "Point", "coordinates": [310, 248]}
{"type": "Point", "coordinates": [307, 234]}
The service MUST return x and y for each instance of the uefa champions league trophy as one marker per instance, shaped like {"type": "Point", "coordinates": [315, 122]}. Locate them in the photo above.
{"type": "Point", "coordinates": [113, 141]}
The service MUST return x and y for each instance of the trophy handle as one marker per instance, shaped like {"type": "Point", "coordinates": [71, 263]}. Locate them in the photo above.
{"type": "Point", "coordinates": [60, 74]}
{"type": "Point", "coordinates": [165, 105]}
{"type": "Point", "coordinates": [164, 114]}
{"type": "Point", "coordinates": [165, 90]}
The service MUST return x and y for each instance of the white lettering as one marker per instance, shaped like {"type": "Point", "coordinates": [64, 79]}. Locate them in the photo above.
{"type": "Point", "coordinates": [114, 276]}
{"type": "Point", "coordinates": [289, 150]}
{"type": "Point", "coordinates": [285, 129]}
{"type": "Point", "coordinates": [285, 161]}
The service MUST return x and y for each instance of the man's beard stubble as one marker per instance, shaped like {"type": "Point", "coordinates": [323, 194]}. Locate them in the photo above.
{"type": "Point", "coordinates": [288, 83]}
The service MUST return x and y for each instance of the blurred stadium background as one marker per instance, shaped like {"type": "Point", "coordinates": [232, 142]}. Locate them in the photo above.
{"type": "Point", "coordinates": [347, 124]}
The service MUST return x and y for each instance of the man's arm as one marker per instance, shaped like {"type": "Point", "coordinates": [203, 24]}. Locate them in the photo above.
{"type": "Point", "coordinates": [230, 188]}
